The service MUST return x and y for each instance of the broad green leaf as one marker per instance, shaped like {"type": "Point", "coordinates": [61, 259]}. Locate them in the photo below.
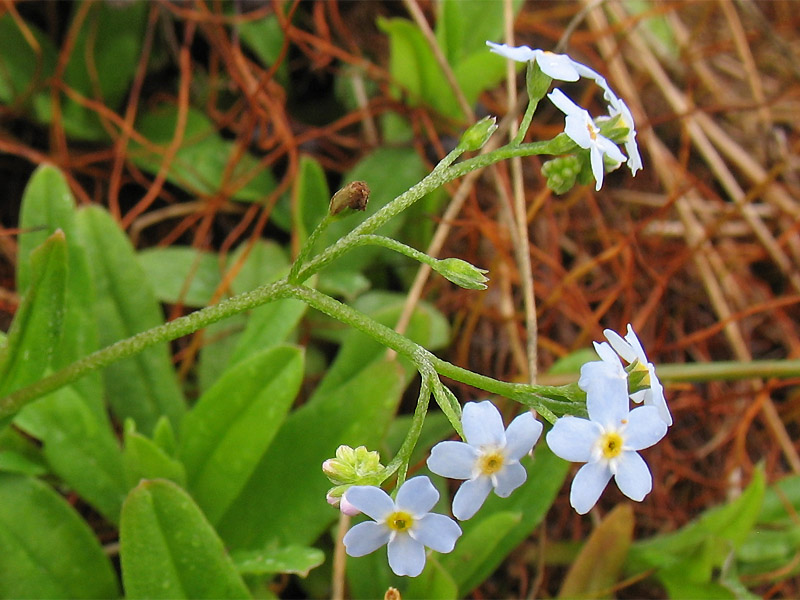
{"type": "Point", "coordinates": [181, 274]}
{"type": "Point", "coordinates": [343, 284]}
{"type": "Point", "coordinates": [23, 68]}
{"type": "Point", "coordinates": [778, 497]}
{"type": "Point", "coordinates": [462, 27]}
{"type": "Point", "coordinates": [142, 458]}
{"type": "Point", "coordinates": [36, 328]}
{"type": "Point", "coordinates": [108, 43]}
{"type": "Point", "coordinates": [546, 473]}
{"type": "Point", "coordinates": [144, 386]}
{"type": "Point", "coordinates": [200, 166]}
{"type": "Point", "coordinates": [692, 553]}
{"type": "Point", "coordinates": [311, 197]}
{"type": "Point", "coordinates": [597, 567]}
{"type": "Point", "coordinates": [225, 436]}
{"type": "Point", "coordinates": [265, 38]}
{"type": "Point", "coordinates": [298, 560]}
{"type": "Point", "coordinates": [80, 448]}
{"type": "Point", "coordinates": [232, 340]}
{"type": "Point", "coordinates": [414, 68]}
{"type": "Point", "coordinates": [46, 549]}
{"type": "Point", "coordinates": [48, 205]}
{"type": "Point", "coordinates": [169, 550]}
{"type": "Point", "coordinates": [285, 496]}
{"type": "Point", "coordinates": [478, 545]}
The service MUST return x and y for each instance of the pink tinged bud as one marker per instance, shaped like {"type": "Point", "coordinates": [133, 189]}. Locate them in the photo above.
{"type": "Point", "coordinates": [348, 508]}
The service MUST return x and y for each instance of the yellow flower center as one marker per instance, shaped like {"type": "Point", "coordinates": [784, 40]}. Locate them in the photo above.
{"type": "Point", "coordinates": [592, 131]}
{"type": "Point", "coordinates": [400, 521]}
{"type": "Point", "coordinates": [491, 462]}
{"type": "Point", "coordinates": [611, 444]}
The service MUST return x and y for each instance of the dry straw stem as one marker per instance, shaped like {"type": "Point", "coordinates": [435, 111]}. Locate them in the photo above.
{"type": "Point", "coordinates": [712, 268]}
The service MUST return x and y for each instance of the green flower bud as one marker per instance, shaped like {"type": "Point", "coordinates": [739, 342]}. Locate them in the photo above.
{"type": "Point", "coordinates": [353, 196]}
{"type": "Point", "coordinates": [462, 273]}
{"type": "Point", "coordinates": [477, 135]}
{"type": "Point", "coordinates": [561, 172]}
{"type": "Point", "coordinates": [638, 377]}
{"type": "Point", "coordinates": [357, 466]}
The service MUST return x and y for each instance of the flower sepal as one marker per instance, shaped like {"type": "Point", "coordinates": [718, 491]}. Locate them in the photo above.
{"type": "Point", "coordinates": [462, 273]}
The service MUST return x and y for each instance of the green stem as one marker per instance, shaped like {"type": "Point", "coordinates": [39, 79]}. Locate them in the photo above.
{"type": "Point", "coordinates": [309, 246]}
{"type": "Point", "coordinates": [132, 345]}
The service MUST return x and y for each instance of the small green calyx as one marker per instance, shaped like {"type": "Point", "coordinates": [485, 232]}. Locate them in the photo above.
{"type": "Point", "coordinates": [638, 377]}
{"type": "Point", "coordinates": [536, 82]}
{"type": "Point", "coordinates": [476, 136]}
{"type": "Point", "coordinates": [462, 273]}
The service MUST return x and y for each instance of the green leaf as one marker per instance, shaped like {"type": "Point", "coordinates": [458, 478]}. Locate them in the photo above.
{"type": "Point", "coordinates": [433, 583]}
{"type": "Point", "coordinates": [180, 274]}
{"type": "Point", "coordinates": [298, 560]}
{"type": "Point", "coordinates": [80, 448]}
{"type": "Point", "coordinates": [46, 549]}
{"type": "Point", "coordinates": [285, 496]}
{"type": "Point", "coordinates": [462, 28]}
{"type": "Point", "coordinates": [143, 459]}
{"type": "Point", "coordinates": [226, 434]}
{"type": "Point", "coordinates": [597, 567]}
{"type": "Point", "coordinates": [47, 206]}
{"type": "Point", "coordinates": [200, 165]}
{"type": "Point", "coordinates": [311, 197]}
{"type": "Point", "coordinates": [169, 550]}
{"type": "Point", "coordinates": [23, 69]}
{"type": "Point", "coordinates": [532, 500]}
{"type": "Point", "coordinates": [36, 328]}
{"type": "Point", "coordinates": [144, 386]}
{"type": "Point", "coordinates": [691, 554]}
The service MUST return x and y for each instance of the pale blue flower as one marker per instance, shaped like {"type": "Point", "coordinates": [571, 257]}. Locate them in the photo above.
{"type": "Point", "coordinates": [405, 524]}
{"type": "Point", "coordinates": [617, 107]}
{"type": "Point", "coordinates": [580, 128]}
{"type": "Point", "coordinates": [489, 459]}
{"type": "Point", "coordinates": [607, 442]}
{"type": "Point", "coordinates": [556, 66]}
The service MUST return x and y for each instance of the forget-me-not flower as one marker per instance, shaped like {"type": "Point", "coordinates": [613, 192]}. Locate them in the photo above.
{"type": "Point", "coordinates": [580, 128]}
{"type": "Point", "coordinates": [489, 459]}
{"type": "Point", "coordinates": [617, 107]}
{"type": "Point", "coordinates": [405, 524]}
{"type": "Point", "coordinates": [555, 66]}
{"type": "Point", "coordinates": [607, 442]}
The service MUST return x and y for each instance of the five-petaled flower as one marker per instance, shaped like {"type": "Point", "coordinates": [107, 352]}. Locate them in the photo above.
{"type": "Point", "coordinates": [580, 128]}
{"type": "Point", "coordinates": [555, 66]}
{"type": "Point", "coordinates": [488, 459]}
{"type": "Point", "coordinates": [405, 524]}
{"type": "Point", "coordinates": [609, 371]}
{"type": "Point", "coordinates": [607, 442]}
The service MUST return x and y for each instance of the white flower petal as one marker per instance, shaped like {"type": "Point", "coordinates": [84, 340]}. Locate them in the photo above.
{"type": "Point", "coordinates": [406, 555]}
{"type": "Point", "coordinates": [608, 404]}
{"type": "Point", "coordinates": [590, 481]}
{"type": "Point", "coordinates": [437, 532]}
{"type": "Point", "coordinates": [522, 433]}
{"type": "Point", "coordinates": [609, 148]}
{"type": "Point", "coordinates": [483, 425]}
{"type": "Point", "coordinates": [370, 500]}
{"type": "Point", "coordinates": [633, 476]}
{"type": "Point", "coordinates": [470, 497]}
{"type": "Point", "coordinates": [656, 397]}
{"type": "Point", "coordinates": [635, 344]}
{"type": "Point", "coordinates": [563, 102]}
{"type": "Point", "coordinates": [517, 53]}
{"type": "Point", "coordinates": [509, 478]}
{"type": "Point", "coordinates": [576, 128]}
{"type": "Point", "coordinates": [598, 168]}
{"type": "Point", "coordinates": [455, 460]}
{"type": "Point", "coordinates": [557, 66]}
{"type": "Point", "coordinates": [645, 428]}
{"type": "Point", "coordinates": [366, 537]}
{"type": "Point", "coordinates": [620, 345]}
{"type": "Point", "coordinates": [572, 438]}
{"type": "Point", "coordinates": [417, 496]}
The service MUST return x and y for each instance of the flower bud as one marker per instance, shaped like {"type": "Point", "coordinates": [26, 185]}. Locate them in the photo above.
{"type": "Point", "coordinates": [638, 376]}
{"type": "Point", "coordinates": [561, 172]}
{"type": "Point", "coordinates": [478, 134]}
{"type": "Point", "coordinates": [353, 196]}
{"type": "Point", "coordinates": [462, 273]}
{"type": "Point", "coordinates": [357, 466]}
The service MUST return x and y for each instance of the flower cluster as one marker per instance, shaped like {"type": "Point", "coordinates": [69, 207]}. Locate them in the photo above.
{"type": "Point", "coordinates": [579, 125]}
{"type": "Point", "coordinates": [489, 459]}
{"type": "Point", "coordinates": [609, 440]}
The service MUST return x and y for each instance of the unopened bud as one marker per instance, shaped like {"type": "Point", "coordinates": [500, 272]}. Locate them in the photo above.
{"type": "Point", "coordinates": [462, 273]}
{"type": "Point", "coordinates": [561, 172]}
{"type": "Point", "coordinates": [478, 134]}
{"type": "Point", "coordinates": [353, 196]}
{"type": "Point", "coordinates": [392, 594]}
{"type": "Point", "coordinates": [357, 466]}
